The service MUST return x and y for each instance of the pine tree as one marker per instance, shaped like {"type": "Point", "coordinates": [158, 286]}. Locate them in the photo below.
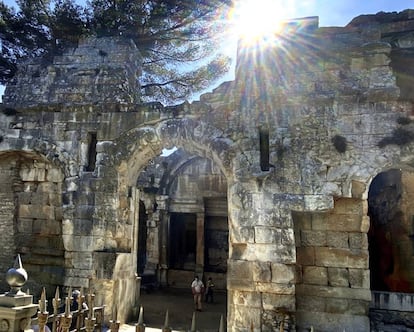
{"type": "Point", "coordinates": [177, 39]}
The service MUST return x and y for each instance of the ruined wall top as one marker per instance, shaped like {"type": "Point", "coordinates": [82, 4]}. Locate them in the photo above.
{"type": "Point", "coordinates": [98, 71]}
{"type": "Point", "coordinates": [308, 64]}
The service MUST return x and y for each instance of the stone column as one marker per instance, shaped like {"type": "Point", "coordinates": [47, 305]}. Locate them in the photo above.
{"type": "Point", "coordinates": [200, 244]}
{"type": "Point", "coordinates": [162, 205]}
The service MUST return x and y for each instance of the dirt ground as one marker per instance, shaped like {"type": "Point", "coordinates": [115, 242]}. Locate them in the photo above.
{"type": "Point", "coordinates": [180, 306]}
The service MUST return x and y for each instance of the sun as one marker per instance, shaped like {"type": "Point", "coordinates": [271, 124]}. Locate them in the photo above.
{"type": "Point", "coordinates": [254, 19]}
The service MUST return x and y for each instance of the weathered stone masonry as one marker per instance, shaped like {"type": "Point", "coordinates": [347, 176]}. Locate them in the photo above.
{"type": "Point", "coordinates": [299, 135]}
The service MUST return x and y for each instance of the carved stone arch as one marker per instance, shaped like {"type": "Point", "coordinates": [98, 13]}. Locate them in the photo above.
{"type": "Point", "coordinates": [118, 165]}
{"type": "Point", "coordinates": [136, 147]}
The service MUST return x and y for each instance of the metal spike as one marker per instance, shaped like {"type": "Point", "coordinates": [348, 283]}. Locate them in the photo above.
{"type": "Point", "coordinates": [18, 262]}
{"type": "Point", "coordinates": [57, 294]}
{"type": "Point", "coordinates": [221, 328]}
{"type": "Point", "coordinates": [193, 323]}
{"type": "Point", "coordinates": [141, 316]}
{"type": "Point", "coordinates": [166, 321]}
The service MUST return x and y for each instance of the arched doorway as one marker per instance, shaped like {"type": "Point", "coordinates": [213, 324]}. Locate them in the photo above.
{"type": "Point", "coordinates": [187, 228]}
{"type": "Point", "coordinates": [391, 231]}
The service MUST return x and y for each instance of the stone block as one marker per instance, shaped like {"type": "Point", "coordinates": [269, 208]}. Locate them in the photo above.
{"type": "Point", "coordinates": [334, 257]}
{"type": "Point", "coordinates": [319, 221]}
{"type": "Point", "coordinates": [334, 322]}
{"type": "Point", "coordinates": [40, 198]}
{"type": "Point", "coordinates": [318, 202]}
{"type": "Point", "coordinates": [24, 197]}
{"type": "Point", "coordinates": [81, 243]}
{"type": "Point", "coordinates": [358, 241]}
{"type": "Point", "coordinates": [33, 174]}
{"type": "Point", "coordinates": [287, 237]}
{"type": "Point", "coordinates": [310, 303]}
{"type": "Point", "coordinates": [244, 316]}
{"type": "Point", "coordinates": [350, 206]}
{"type": "Point", "coordinates": [58, 213]}
{"type": "Point", "coordinates": [365, 223]}
{"type": "Point", "coordinates": [54, 175]}
{"type": "Point", "coordinates": [36, 211]}
{"type": "Point", "coordinates": [338, 277]}
{"type": "Point", "coordinates": [67, 227]}
{"type": "Point", "coordinates": [278, 302]}
{"type": "Point", "coordinates": [283, 273]}
{"type": "Point", "coordinates": [358, 64]}
{"type": "Point", "coordinates": [334, 292]}
{"type": "Point", "coordinates": [243, 298]}
{"type": "Point", "coordinates": [315, 275]}
{"type": "Point", "coordinates": [359, 278]}
{"type": "Point", "coordinates": [244, 235]}
{"type": "Point", "coordinates": [358, 307]}
{"type": "Point", "coordinates": [46, 227]}
{"type": "Point", "coordinates": [269, 252]}
{"type": "Point", "coordinates": [240, 270]}
{"type": "Point", "coordinates": [378, 59]}
{"type": "Point", "coordinates": [313, 238]}
{"type": "Point", "coordinates": [274, 288]}
{"type": "Point", "coordinates": [344, 222]}
{"type": "Point", "coordinates": [337, 239]}
{"type": "Point", "coordinates": [302, 220]}
{"type": "Point", "coordinates": [305, 255]}
{"type": "Point", "coordinates": [358, 189]}
{"type": "Point", "coordinates": [261, 272]}
{"type": "Point", "coordinates": [267, 235]}
{"type": "Point", "coordinates": [48, 187]}
{"type": "Point", "coordinates": [336, 305]}
{"type": "Point", "coordinates": [25, 225]}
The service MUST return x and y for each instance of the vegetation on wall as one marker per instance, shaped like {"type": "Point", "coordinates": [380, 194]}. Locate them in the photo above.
{"type": "Point", "coordinates": [339, 143]}
{"type": "Point", "coordinates": [401, 136]}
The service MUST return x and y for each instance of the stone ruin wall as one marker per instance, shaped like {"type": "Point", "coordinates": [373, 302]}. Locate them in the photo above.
{"type": "Point", "coordinates": [297, 227]}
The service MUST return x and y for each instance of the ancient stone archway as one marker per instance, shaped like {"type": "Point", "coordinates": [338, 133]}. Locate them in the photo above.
{"type": "Point", "coordinates": [138, 147]}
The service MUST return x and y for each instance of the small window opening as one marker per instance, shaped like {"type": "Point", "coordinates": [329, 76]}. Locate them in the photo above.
{"type": "Point", "coordinates": [91, 152]}
{"type": "Point", "coordinates": [264, 149]}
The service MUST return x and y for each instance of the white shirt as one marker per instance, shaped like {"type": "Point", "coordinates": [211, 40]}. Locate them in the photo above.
{"type": "Point", "coordinates": [197, 285]}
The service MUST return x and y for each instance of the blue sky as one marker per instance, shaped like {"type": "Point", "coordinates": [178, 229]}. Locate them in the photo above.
{"type": "Point", "coordinates": [330, 12]}
{"type": "Point", "coordinates": [341, 12]}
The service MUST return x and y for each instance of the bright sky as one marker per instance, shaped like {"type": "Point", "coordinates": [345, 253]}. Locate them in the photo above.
{"type": "Point", "coordinates": [330, 12]}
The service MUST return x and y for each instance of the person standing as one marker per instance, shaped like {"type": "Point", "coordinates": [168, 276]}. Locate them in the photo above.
{"type": "Point", "coordinates": [209, 290]}
{"type": "Point", "coordinates": [197, 287]}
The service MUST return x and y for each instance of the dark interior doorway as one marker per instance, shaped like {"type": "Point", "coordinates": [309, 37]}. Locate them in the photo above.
{"type": "Point", "coordinates": [388, 234]}
{"type": "Point", "coordinates": [142, 238]}
{"type": "Point", "coordinates": [183, 240]}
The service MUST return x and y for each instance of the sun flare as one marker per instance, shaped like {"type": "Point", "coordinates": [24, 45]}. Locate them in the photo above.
{"type": "Point", "coordinates": [255, 19]}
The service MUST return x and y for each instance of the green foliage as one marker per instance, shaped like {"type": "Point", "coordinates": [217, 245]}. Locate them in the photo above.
{"type": "Point", "coordinates": [400, 136]}
{"type": "Point", "coordinates": [177, 39]}
{"type": "Point", "coordinates": [340, 144]}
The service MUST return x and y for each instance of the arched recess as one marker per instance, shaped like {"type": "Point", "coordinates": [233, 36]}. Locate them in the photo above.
{"type": "Point", "coordinates": [391, 231]}
{"type": "Point", "coordinates": [31, 191]}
